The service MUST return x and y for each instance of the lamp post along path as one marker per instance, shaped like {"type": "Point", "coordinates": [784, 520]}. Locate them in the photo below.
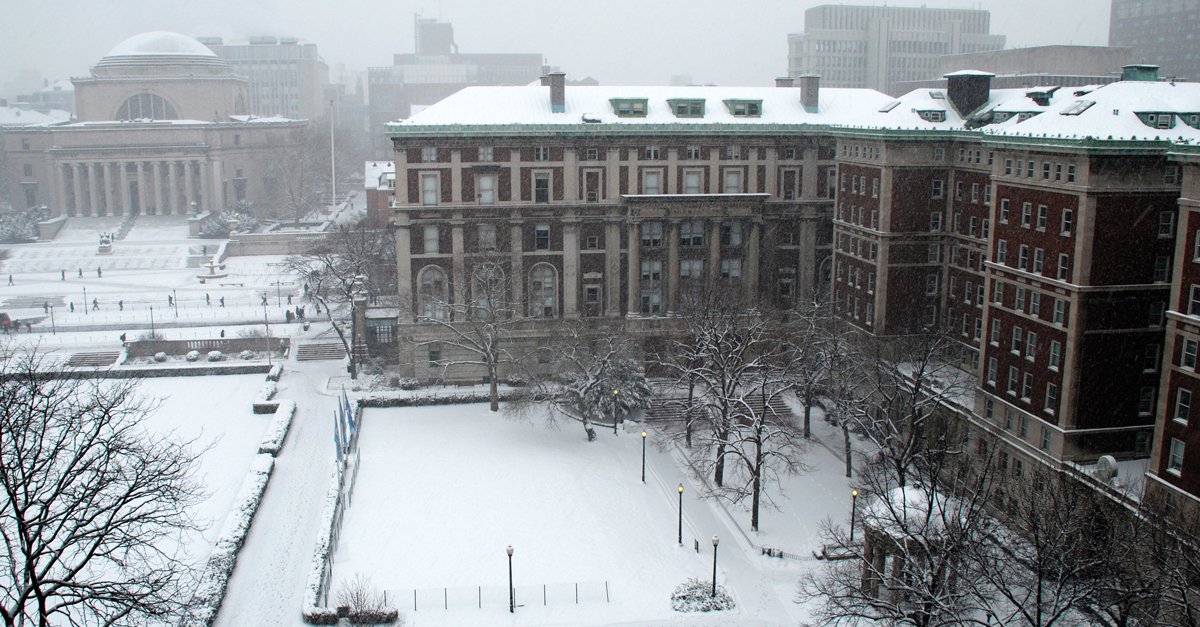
{"type": "Point", "coordinates": [616, 409]}
{"type": "Point", "coordinates": [680, 489]}
{"type": "Point", "coordinates": [853, 511]}
{"type": "Point", "coordinates": [716, 541]}
{"type": "Point", "coordinates": [643, 456]}
{"type": "Point", "coordinates": [512, 597]}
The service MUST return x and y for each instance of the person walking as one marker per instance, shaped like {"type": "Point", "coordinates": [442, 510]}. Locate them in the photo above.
{"type": "Point", "coordinates": [72, 306]}
{"type": "Point", "coordinates": [81, 273]}
{"type": "Point", "coordinates": [264, 298]}
{"type": "Point", "coordinates": [10, 281]}
{"type": "Point", "coordinates": [95, 304]}
{"type": "Point", "coordinates": [289, 299]}
{"type": "Point", "coordinates": [207, 299]}
{"type": "Point", "coordinates": [64, 274]}
{"type": "Point", "coordinates": [170, 300]}
{"type": "Point", "coordinates": [45, 307]}
{"type": "Point", "coordinates": [99, 274]}
{"type": "Point", "coordinates": [121, 305]}
{"type": "Point", "coordinates": [222, 303]}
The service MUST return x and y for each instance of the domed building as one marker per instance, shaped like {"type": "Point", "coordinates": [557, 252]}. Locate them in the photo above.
{"type": "Point", "coordinates": [161, 128]}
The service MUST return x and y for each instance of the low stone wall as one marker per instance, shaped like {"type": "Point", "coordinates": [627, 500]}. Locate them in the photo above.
{"type": "Point", "coordinates": [290, 243]}
{"type": "Point", "coordinates": [48, 229]}
{"type": "Point", "coordinates": [229, 346]}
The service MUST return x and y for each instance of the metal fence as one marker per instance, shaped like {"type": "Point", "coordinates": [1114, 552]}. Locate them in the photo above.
{"type": "Point", "coordinates": [496, 597]}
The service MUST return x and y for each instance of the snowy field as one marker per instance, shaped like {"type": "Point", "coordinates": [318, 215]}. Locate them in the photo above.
{"type": "Point", "coordinates": [442, 490]}
{"type": "Point", "coordinates": [215, 412]}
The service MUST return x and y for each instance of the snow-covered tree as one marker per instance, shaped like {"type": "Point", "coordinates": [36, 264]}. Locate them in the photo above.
{"type": "Point", "coordinates": [93, 508]}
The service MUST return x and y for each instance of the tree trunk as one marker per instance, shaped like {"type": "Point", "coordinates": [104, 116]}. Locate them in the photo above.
{"type": "Point", "coordinates": [493, 387]}
{"type": "Point", "coordinates": [687, 416]}
{"type": "Point", "coordinates": [807, 420]}
{"type": "Point", "coordinates": [849, 451]}
{"type": "Point", "coordinates": [756, 485]}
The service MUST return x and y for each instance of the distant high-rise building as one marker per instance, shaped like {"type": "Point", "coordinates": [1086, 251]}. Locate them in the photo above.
{"type": "Point", "coordinates": [1161, 32]}
{"type": "Point", "coordinates": [433, 72]}
{"type": "Point", "coordinates": [876, 47]}
{"type": "Point", "coordinates": [286, 77]}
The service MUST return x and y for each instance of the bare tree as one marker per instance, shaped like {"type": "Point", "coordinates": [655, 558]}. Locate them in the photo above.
{"type": "Point", "coordinates": [299, 175]}
{"type": "Point", "coordinates": [94, 508]}
{"type": "Point", "coordinates": [348, 261]}
{"type": "Point", "coordinates": [598, 376]}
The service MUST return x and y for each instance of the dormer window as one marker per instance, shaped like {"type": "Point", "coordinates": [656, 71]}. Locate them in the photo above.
{"type": "Point", "coordinates": [1158, 119]}
{"type": "Point", "coordinates": [744, 108]}
{"type": "Point", "coordinates": [629, 107]}
{"type": "Point", "coordinates": [687, 108]}
{"type": "Point", "coordinates": [932, 115]}
{"type": "Point", "coordinates": [1191, 119]}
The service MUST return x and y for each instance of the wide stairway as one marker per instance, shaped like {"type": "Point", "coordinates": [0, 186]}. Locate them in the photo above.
{"type": "Point", "coordinates": [673, 409]}
{"type": "Point", "coordinates": [319, 351]}
{"type": "Point", "coordinates": [97, 359]}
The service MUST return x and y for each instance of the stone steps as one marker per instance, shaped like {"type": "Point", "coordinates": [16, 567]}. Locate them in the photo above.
{"type": "Point", "coordinates": [319, 351]}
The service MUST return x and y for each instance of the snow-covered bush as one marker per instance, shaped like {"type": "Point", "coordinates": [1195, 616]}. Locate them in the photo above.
{"type": "Point", "coordinates": [246, 354]}
{"type": "Point", "coordinates": [313, 613]}
{"type": "Point", "coordinates": [272, 441]}
{"type": "Point", "coordinates": [516, 380]}
{"type": "Point", "coordinates": [695, 595]}
{"type": "Point", "coordinates": [368, 606]}
{"type": "Point", "coordinates": [147, 336]}
{"type": "Point", "coordinates": [215, 578]}
{"type": "Point", "coordinates": [215, 356]}
{"type": "Point", "coordinates": [160, 356]}
{"type": "Point", "coordinates": [275, 373]}
{"type": "Point", "coordinates": [192, 355]}
{"type": "Point", "coordinates": [262, 403]}
{"type": "Point", "coordinates": [408, 383]}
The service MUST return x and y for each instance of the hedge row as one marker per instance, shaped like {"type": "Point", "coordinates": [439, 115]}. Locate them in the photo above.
{"type": "Point", "coordinates": [272, 441]}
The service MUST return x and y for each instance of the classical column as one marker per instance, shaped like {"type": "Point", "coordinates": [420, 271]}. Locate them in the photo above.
{"type": "Point", "coordinates": [158, 187]}
{"type": "Point", "coordinates": [750, 272]}
{"type": "Point", "coordinates": [143, 202]}
{"type": "Point", "coordinates": [93, 188]}
{"type": "Point", "coordinates": [404, 279]}
{"type": "Point", "coordinates": [516, 263]}
{"type": "Point", "coordinates": [204, 193]}
{"type": "Point", "coordinates": [123, 187]}
{"type": "Point", "coordinates": [570, 278]}
{"type": "Point", "coordinates": [612, 268]}
{"type": "Point", "coordinates": [713, 265]}
{"type": "Point", "coordinates": [635, 269]}
{"type": "Point", "coordinates": [172, 206]}
{"type": "Point", "coordinates": [109, 206]}
{"type": "Point", "coordinates": [189, 186]}
{"type": "Point", "coordinates": [458, 263]}
{"type": "Point", "coordinates": [60, 191]}
{"type": "Point", "coordinates": [77, 185]}
{"type": "Point", "coordinates": [216, 195]}
{"type": "Point", "coordinates": [673, 268]}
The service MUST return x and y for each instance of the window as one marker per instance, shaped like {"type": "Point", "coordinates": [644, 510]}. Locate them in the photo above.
{"type": "Point", "coordinates": [1166, 224]}
{"type": "Point", "coordinates": [1188, 358]}
{"type": "Point", "coordinates": [429, 154]}
{"type": "Point", "coordinates": [995, 336]}
{"type": "Point", "coordinates": [1008, 166]}
{"type": "Point", "coordinates": [592, 242]}
{"type": "Point", "coordinates": [939, 152]}
{"type": "Point", "coordinates": [432, 295]}
{"type": "Point", "coordinates": [1031, 346]}
{"type": "Point", "coordinates": [931, 284]}
{"type": "Point", "coordinates": [789, 152]}
{"type": "Point", "coordinates": [543, 291]}
{"type": "Point", "coordinates": [1022, 257]}
{"type": "Point", "coordinates": [731, 269]}
{"type": "Point", "coordinates": [430, 189]}
{"type": "Point", "coordinates": [1183, 405]}
{"type": "Point", "coordinates": [486, 154]}
{"type": "Point", "coordinates": [652, 270]}
{"type": "Point", "coordinates": [1004, 207]}
{"type": "Point", "coordinates": [432, 240]}
{"type": "Point", "coordinates": [691, 269]}
{"type": "Point", "coordinates": [1061, 273]}
{"type": "Point", "coordinates": [1162, 269]}
{"type": "Point", "coordinates": [652, 182]}
{"type": "Point", "coordinates": [541, 237]}
{"type": "Point", "coordinates": [987, 195]}
{"type": "Point", "coordinates": [874, 188]}
{"type": "Point", "coordinates": [1001, 251]}
{"type": "Point", "coordinates": [1194, 301]}
{"type": "Point", "coordinates": [1039, 260]}
{"type": "Point", "coordinates": [1171, 175]}
{"type": "Point", "coordinates": [938, 188]}
{"type": "Point", "coordinates": [1015, 345]}
{"type": "Point", "coordinates": [1029, 168]}
{"type": "Point", "coordinates": [651, 301]}
{"type": "Point", "coordinates": [652, 153]}
{"type": "Point", "coordinates": [1026, 394]}
{"type": "Point", "coordinates": [1043, 215]}
{"type": "Point", "coordinates": [998, 292]}
{"type": "Point", "coordinates": [933, 253]}
{"type": "Point", "coordinates": [1150, 357]}
{"type": "Point", "coordinates": [935, 221]}
{"type": "Point", "coordinates": [691, 233]}
{"type": "Point", "coordinates": [1055, 354]}
{"type": "Point", "coordinates": [1175, 458]}
{"type": "Point", "coordinates": [1013, 379]}
{"type": "Point", "coordinates": [1071, 173]}
{"type": "Point", "coordinates": [27, 170]}
{"type": "Point", "coordinates": [991, 371]}
{"type": "Point", "coordinates": [541, 187]}
{"type": "Point", "coordinates": [731, 233]}
{"type": "Point", "coordinates": [733, 152]}
{"type": "Point", "coordinates": [629, 107]}
{"type": "Point", "coordinates": [137, 107]}
{"type": "Point", "coordinates": [1026, 214]}
{"type": "Point", "coordinates": [687, 108]}
{"type": "Point", "coordinates": [1051, 406]}
{"type": "Point", "coordinates": [958, 190]}
{"type": "Point", "coordinates": [1019, 302]}
{"type": "Point", "coordinates": [1145, 401]}
{"type": "Point", "coordinates": [692, 181]}
{"type": "Point", "coordinates": [435, 356]}
{"type": "Point", "coordinates": [692, 153]}
{"type": "Point", "coordinates": [744, 108]}
{"type": "Point", "coordinates": [1067, 217]}
{"type": "Point", "coordinates": [487, 236]}
{"type": "Point", "coordinates": [486, 189]}
{"type": "Point", "coordinates": [975, 192]}
{"type": "Point", "coordinates": [733, 181]}
{"type": "Point", "coordinates": [1060, 311]}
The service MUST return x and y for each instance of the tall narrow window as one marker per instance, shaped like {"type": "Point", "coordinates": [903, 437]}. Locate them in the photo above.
{"type": "Point", "coordinates": [430, 189]}
{"type": "Point", "coordinates": [543, 291]}
{"type": "Point", "coordinates": [487, 236]}
{"type": "Point", "coordinates": [432, 240]}
{"type": "Point", "coordinates": [541, 187]}
{"type": "Point", "coordinates": [692, 182]}
{"type": "Point", "coordinates": [486, 189]}
{"type": "Point", "coordinates": [652, 234]}
{"type": "Point", "coordinates": [432, 296]}
{"type": "Point", "coordinates": [733, 181]}
{"type": "Point", "coordinates": [652, 182]}
{"type": "Point", "coordinates": [541, 237]}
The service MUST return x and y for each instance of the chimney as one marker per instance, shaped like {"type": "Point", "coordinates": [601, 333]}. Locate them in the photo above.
{"type": "Point", "coordinates": [558, 92]}
{"type": "Point", "coordinates": [785, 81]}
{"type": "Point", "coordinates": [968, 90]}
{"type": "Point", "coordinates": [545, 80]}
{"type": "Point", "coordinates": [810, 92]}
{"type": "Point", "coordinates": [1139, 72]}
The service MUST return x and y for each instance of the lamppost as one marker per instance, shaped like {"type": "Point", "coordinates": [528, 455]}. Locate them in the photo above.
{"type": "Point", "coordinates": [52, 331]}
{"type": "Point", "coordinates": [680, 490]}
{"type": "Point", "coordinates": [512, 598]}
{"type": "Point", "coordinates": [85, 303]}
{"type": "Point", "coordinates": [175, 299]}
{"type": "Point", "coordinates": [616, 410]}
{"type": "Point", "coordinates": [152, 336]}
{"type": "Point", "coordinates": [716, 541]}
{"type": "Point", "coordinates": [853, 508]}
{"type": "Point", "coordinates": [267, 323]}
{"type": "Point", "coordinates": [643, 456]}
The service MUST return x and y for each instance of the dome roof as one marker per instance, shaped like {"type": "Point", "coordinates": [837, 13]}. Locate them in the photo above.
{"type": "Point", "coordinates": [160, 43]}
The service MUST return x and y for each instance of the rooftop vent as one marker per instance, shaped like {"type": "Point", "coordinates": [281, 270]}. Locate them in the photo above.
{"type": "Point", "coordinates": [785, 81]}
{"type": "Point", "coordinates": [968, 90]}
{"type": "Point", "coordinates": [1139, 72]}
{"type": "Point", "coordinates": [810, 92]}
{"type": "Point", "coordinates": [558, 92]}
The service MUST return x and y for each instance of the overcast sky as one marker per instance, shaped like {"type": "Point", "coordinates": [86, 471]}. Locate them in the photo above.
{"type": "Point", "coordinates": [616, 41]}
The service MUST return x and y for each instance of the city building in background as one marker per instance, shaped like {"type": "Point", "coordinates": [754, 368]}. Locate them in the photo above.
{"type": "Point", "coordinates": [878, 46]}
{"type": "Point", "coordinates": [1062, 66]}
{"type": "Point", "coordinates": [1160, 32]}
{"type": "Point", "coordinates": [286, 77]}
{"type": "Point", "coordinates": [435, 70]}
{"type": "Point", "coordinates": [56, 96]}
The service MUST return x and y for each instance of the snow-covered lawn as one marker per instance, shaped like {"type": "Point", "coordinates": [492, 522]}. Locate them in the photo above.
{"type": "Point", "coordinates": [443, 490]}
{"type": "Point", "coordinates": [215, 412]}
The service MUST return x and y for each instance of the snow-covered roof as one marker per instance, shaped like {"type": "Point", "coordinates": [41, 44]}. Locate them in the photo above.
{"type": "Point", "coordinates": [156, 43]}
{"type": "Point", "coordinates": [907, 511]}
{"type": "Point", "coordinates": [968, 73]}
{"type": "Point", "coordinates": [12, 116]}
{"type": "Point", "coordinates": [376, 172]}
{"type": "Point", "coordinates": [57, 86]}
{"type": "Point", "coordinates": [530, 105]}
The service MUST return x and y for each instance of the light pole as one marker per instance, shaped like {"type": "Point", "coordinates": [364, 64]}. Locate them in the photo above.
{"type": "Point", "coordinates": [643, 456]}
{"type": "Point", "coordinates": [512, 598]}
{"type": "Point", "coordinates": [52, 331]}
{"type": "Point", "coordinates": [853, 508]}
{"type": "Point", "coordinates": [267, 323]}
{"type": "Point", "coordinates": [680, 490]}
{"type": "Point", "coordinates": [716, 541]}
{"type": "Point", "coordinates": [175, 299]}
{"type": "Point", "coordinates": [151, 323]}
{"type": "Point", "coordinates": [616, 410]}
{"type": "Point", "coordinates": [85, 303]}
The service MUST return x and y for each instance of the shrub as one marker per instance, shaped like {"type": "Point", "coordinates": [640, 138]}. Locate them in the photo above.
{"type": "Point", "coordinates": [147, 336]}
{"type": "Point", "coordinates": [367, 604]}
{"type": "Point", "coordinates": [246, 354]}
{"type": "Point", "coordinates": [215, 356]}
{"type": "Point", "coordinates": [192, 355]}
{"type": "Point", "coordinates": [160, 356]}
{"type": "Point", "coordinates": [408, 383]}
{"type": "Point", "coordinates": [516, 380]}
{"type": "Point", "coordinates": [695, 595]}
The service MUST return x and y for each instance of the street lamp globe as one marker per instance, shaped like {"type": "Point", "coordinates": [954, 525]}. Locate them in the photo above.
{"type": "Point", "coordinates": [680, 488]}
{"type": "Point", "coordinates": [509, 550]}
{"type": "Point", "coordinates": [854, 492]}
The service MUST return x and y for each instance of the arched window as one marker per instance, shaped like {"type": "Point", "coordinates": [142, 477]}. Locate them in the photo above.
{"type": "Point", "coordinates": [432, 296]}
{"type": "Point", "coordinates": [489, 291]}
{"type": "Point", "coordinates": [146, 106]}
{"type": "Point", "coordinates": [543, 291]}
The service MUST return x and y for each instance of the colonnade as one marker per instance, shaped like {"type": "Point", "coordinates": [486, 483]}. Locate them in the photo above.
{"type": "Point", "coordinates": [124, 187]}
